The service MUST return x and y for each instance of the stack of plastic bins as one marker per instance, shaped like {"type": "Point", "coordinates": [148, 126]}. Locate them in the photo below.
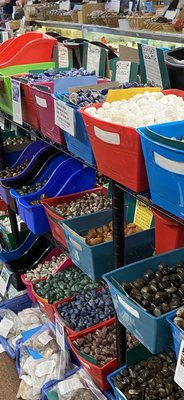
{"type": "Point", "coordinates": [157, 336]}
{"type": "Point", "coordinates": [98, 260]}
{"type": "Point", "coordinates": [45, 104]}
{"type": "Point", "coordinates": [55, 218]}
{"type": "Point", "coordinates": [70, 177]}
{"type": "Point", "coordinates": [164, 164]}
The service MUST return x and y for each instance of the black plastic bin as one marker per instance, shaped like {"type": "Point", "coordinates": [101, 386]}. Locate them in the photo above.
{"type": "Point", "coordinates": [175, 70]}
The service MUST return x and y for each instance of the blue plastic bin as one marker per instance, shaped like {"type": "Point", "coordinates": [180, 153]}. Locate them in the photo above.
{"type": "Point", "coordinates": [165, 167]}
{"type": "Point", "coordinates": [16, 304]}
{"type": "Point", "coordinates": [30, 153]}
{"type": "Point", "coordinates": [79, 144]}
{"type": "Point", "coordinates": [153, 332]}
{"type": "Point", "coordinates": [177, 333]}
{"type": "Point", "coordinates": [19, 251]}
{"type": "Point", "coordinates": [98, 260]}
{"type": "Point", "coordinates": [71, 178]}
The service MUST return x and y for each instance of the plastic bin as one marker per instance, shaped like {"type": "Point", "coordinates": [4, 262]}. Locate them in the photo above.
{"type": "Point", "coordinates": [177, 333]}
{"type": "Point", "coordinates": [55, 218]}
{"type": "Point", "coordinates": [169, 234]}
{"type": "Point", "coordinates": [175, 69]}
{"type": "Point", "coordinates": [16, 304]}
{"type": "Point", "coordinates": [164, 166]}
{"type": "Point", "coordinates": [98, 373]}
{"type": "Point", "coordinates": [157, 336]}
{"type": "Point", "coordinates": [19, 251]}
{"type": "Point", "coordinates": [47, 308]}
{"type": "Point", "coordinates": [98, 260]}
{"type": "Point", "coordinates": [69, 180]}
{"type": "Point", "coordinates": [29, 284]}
{"type": "Point", "coordinates": [6, 95]}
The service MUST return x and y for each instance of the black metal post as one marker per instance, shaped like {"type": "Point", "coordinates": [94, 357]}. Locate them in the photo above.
{"type": "Point", "coordinates": [119, 261]}
{"type": "Point", "coordinates": [14, 227]}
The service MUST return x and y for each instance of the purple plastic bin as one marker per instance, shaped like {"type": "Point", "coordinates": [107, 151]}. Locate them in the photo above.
{"type": "Point", "coordinates": [45, 112]}
{"type": "Point", "coordinates": [30, 153]}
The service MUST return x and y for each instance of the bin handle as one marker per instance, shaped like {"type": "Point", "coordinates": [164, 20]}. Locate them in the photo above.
{"type": "Point", "coordinates": [41, 102]}
{"type": "Point", "coordinates": [169, 165]}
{"type": "Point", "coordinates": [107, 137]}
{"type": "Point", "coordinates": [130, 309]}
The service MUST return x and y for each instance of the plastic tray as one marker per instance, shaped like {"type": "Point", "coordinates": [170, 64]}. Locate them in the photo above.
{"type": "Point", "coordinates": [29, 284]}
{"type": "Point", "coordinates": [177, 333]}
{"type": "Point", "coordinates": [47, 308]}
{"type": "Point", "coordinates": [16, 304]}
{"type": "Point", "coordinates": [70, 178]}
{"type": "Point", "coordinates": [165, 168]}
{"type": "Point", "coordinates": [157, 336]}
{"type": "Point", "coordinates": [55, 218]}
{"type": "Point", "coordinates": [98, 260]}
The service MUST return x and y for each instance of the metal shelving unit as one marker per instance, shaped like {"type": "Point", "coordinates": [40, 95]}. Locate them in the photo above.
{"type": "Point", "coordinates": [142, 34]}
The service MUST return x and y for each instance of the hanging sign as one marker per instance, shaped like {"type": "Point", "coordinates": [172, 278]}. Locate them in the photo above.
{"type": "Point", "coordinates": [152, 66]}
{"type": "Point", "coordinates": [16, 102]}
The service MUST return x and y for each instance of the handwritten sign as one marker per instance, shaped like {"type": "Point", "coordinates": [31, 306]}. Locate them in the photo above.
{"type": "Point", "coordinates": [63, 57]}
{"type": "Point", "coordinates": [143, 215]}
{"type": "Point", "coordinates": [152, 67]}
{"type": "Point", "coordinates": [93, 58]}
{"type": "Point", "coordinates": [64, 117]}
{"type": "Point", "coordinates": [123, 71]}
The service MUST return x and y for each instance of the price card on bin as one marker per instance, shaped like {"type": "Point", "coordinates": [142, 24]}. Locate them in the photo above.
{"type": "Point", "coordinates": [64, 117]}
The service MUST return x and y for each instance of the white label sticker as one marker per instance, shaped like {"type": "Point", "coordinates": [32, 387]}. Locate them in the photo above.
{"type": "Point", "coordinates": [63, 57]}
{"type": "Point", "coordinates": [169, 165]}
{"type": "Point", "coordinates": [68, 385]}
{"type": "Point", "coordinates": [5, 327]}
{"type": "Point", "coordinates": [41, 102]}
{"type": "Point", "coordinates": [60, 334]}
{"type": "Point", "coordinates": [93, 58]}
{"type": "Point", "coordinates": [130, 309]}
{"type": "Point", "coordinates": [45, 368]}
{"type": "Point", "coordinates": [4, 36]}
{"type": "Point", "coordinates": [179, 373]}
{"type": "Point", "coordinates": [4, 280]}
{"type": "Point", "coordinates": [16, 100]}
{"type": "Point", "coordinates": [64, 117]}
{"type": "Point", "coordinates": [44, 338]}
{"type": "Point", "coordinates": [123, 71]}
{"type": "Point", "coordinates": [152, 65]}
{"type": "Point", "coordinates": [107, 137]}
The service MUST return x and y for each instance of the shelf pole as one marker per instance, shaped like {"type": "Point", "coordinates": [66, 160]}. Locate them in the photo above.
{"type": "Point", "coordinates": [14, 227]}
{"type": "Point", "coordinates": [119, 261]}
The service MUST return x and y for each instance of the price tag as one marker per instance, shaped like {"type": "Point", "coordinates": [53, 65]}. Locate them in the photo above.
{"type": "Point", "coordinates": [64, 117]}
{"type": "Point", "coordinates": [16, 100]}
{"type": "Point", "coordinates": [143, 215]}
{"type": "Point", "coordinates": [171, 14]}
{"type": "Point", "coordinates": [93, 58]}
{"type": "Point", "coordinates": [60, 334]}
{"type": "Point", "coordinates": [179, 373]}
{"type": "Point", "coordinates": [152, 67]}
{"type": "Point", "coordinates": [123, 71]}
{"type": "Point", "coordinates": [4, 280]}
{"type": "Point", "coordinates": [63, 57]}
{"type": "Point", "coordinates": [4, 36]}
{"type": "Point", "coordinates": [65, 5]}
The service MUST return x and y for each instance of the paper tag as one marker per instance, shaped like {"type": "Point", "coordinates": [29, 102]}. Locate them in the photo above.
{"type": "Point", "coordinates": [45, 368]}
{"type": "Point", "coordinates": [143, 215]}
{"type": "Point", "coordinates": [179, 373]}
{"type": "Point", "coordinates": [64, 117]}
{"type": "Point", "coordinates": [68, 385]}
{"type": "Point", "coordinates": [4, 280]}
{"type": "Point", "coordinates": [123, 71]}
{"type": "Point", "coordinates": [15, 339]}
{"type": "Point", "coordinates": [44, 338]}
{"type": "Point", "coordinates": [93, 58]}
{"type": "Point", "coordinates": [60, 334]}
{"type": "Point", "coordinates": [170, 14]}
{"type": "Point", "coordinates": [63, 56]}
{"type": "Point", "coordinates": [5, 327]}
{"type": "Point", "coordinates": [16, 100]}
{"type": "Point", "coordinates": [4, 35]}
{"type": "Point", "coordinates": [41, 102]}
{"type": "Point", "coordinates": [152, 67]}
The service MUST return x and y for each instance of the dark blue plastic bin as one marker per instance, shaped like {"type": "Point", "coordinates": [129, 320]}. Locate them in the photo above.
{"type": "Point", "coordinates": [71, 178]}
{"type": "Point", "coordinates": [98, 260]}
{"type": "Point", "coordinates": [153, 332]}
{"type": "Point", "coordinates": [11, 157]}
{"type": "Point", "coordinates": [16, 304]}
{"type": "Point", "coordinates": [177, 333]}
{"type": "Point", "coordinates": [165, 167]}
{"type": "Point", "coordinates": [30, 153]}
{"type": "Point", "coordinates": [14, 254]}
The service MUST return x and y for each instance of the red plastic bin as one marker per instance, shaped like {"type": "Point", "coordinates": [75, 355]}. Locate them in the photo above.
{"type": "Point", "coordinates": [54, 218]}
{"type": "Point", "coordinates": [169, 234]}
{"type": "Point", "coordinates": [29, 285]}
{"type": "Point", "coordinates": [45, 111]}
{"type": "Point", "coordinates": [47, 308]}
{"type": "Point", "coordinates": [98, 374]}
